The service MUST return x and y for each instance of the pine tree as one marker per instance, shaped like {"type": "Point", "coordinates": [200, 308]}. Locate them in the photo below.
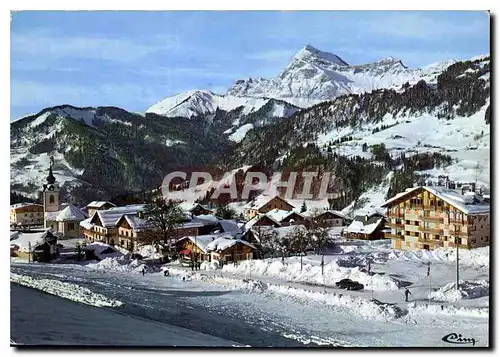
{"type": "Point", "coordinates": [304, 207]}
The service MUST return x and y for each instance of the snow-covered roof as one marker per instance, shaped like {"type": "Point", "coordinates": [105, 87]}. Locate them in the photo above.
{"type": "Point", "coordinates": [368, 226]}
{"type": "Point", "coordinates": [202, 241]}
{"type": "Point", "coordinates": [135, 222]}
{"type": "Point", "coordinates": [398, 196]}
{"type": "Point", "coordinates": [337, 213]}
{"type": "Point", "coordinates": [229, 225]}
{"type": "Point", "coordinates": [261, 200]}
{"type": "Point", "coordinates": [207, 217]}
{"type": "Point", "coordinates": [279, 215]}
{"type": "Point", "coordinates": [194, 223]}
{"type": "Point", "coordinates": [455, 198]}
{"type": "Point", "coordinates": [51, 216]}
{"type": "Point", "coordinates": [109, 217]}
{"type": "Point", "coordinates": [103, 250]}
{"type": "Point", "coordinates": [99, 204]}
{"type": "Point", "coordinates": [70, 213]}
{"type": "Point", "coordinates": [255, 219]}
{"type": "Point", "coordinates": [23, 240]}
{"type": "Point", "coordinates": [24, 204]}
{"type": "Point", "coordinates": [452, 196]}
{"type": "Point", "coordinates": [196, 205]}
{"type": "Point", "coordinates": [86, 223]}
{"type": "Point", "coordinates": [319, 212]}
{"type": "Point", "coordinates": [223, 243]}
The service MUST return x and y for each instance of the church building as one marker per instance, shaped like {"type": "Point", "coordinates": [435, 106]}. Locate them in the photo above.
{"type": "Point", "coordinates": [63, 218]}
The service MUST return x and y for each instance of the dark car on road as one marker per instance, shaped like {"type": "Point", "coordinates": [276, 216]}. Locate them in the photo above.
{"type": "Point", "coordinates": [349, 284]}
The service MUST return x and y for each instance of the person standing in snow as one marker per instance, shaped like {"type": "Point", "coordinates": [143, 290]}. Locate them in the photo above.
{"type": "Point", "coordinates": [407, 292]}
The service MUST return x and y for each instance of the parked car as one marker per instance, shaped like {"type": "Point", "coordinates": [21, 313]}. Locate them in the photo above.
{"type": "Point", "coordinates": [349, 284]}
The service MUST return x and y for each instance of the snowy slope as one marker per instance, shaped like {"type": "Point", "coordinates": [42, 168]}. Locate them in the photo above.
{"type": "Point", "coordinates": [202, 102]}
{"type": "Point", "coordinates": [314, 76]}
{"type": "Point", "coordinates": [465, 139]}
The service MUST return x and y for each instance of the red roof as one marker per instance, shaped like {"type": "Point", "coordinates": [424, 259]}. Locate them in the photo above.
{"type": "Point", "coordinates": [185, 252]}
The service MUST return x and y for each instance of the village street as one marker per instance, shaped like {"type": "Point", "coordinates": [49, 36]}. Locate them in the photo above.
{"type": "Point", "coordinates": [251, 309]}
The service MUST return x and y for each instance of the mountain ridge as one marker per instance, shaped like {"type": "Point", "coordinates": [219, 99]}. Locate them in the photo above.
{"type": "Point", "coordinates": [100, 149]}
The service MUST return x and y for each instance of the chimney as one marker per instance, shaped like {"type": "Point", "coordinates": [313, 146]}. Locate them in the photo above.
{"type": "Point", "coordinates": [140, 214]}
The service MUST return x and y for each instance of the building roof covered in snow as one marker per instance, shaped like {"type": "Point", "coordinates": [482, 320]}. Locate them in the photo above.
{"type": "Point", "coordinates": [320, 212]}
{"type": "Point", "coordinates": [230, 226]}
{"type": "Point", "coordinates": [254, 220]}
{"type": "Point", "coordinates": [109, 217]}
{"type": "Point", "coordinates": [86, 223]}
{"type": "Point", "coordinates": [454, 197]}
{"type": "Point", "coordinates": [203, 241]}
{"type": "Point", "coordinates": [261, 200]}
{"type": "Point", "coordinates": [278, 215]}
{"type": "Point", "coordinates": [70, 213]}
{"type": "Point", "coordinates": [223, 243]}
{"type": "Point", "coordinates": [208, 218]}
{"type": "Point", "coordinates": [24, 204]}
{"type": "Point", "coordinates": [103, 250]}
{"type": "Point", "coordinates": [99, 204]}
{"type": "Point", "coordinates": [24, 239]}
{"type": "Point", "coordinates": [136, 223]}
{"type": "Point", "coordinates": [365, 224]}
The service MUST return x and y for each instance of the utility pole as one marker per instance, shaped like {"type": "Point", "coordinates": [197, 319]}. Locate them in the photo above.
{"type": "Point", "coordinates": [29, 252]}
{"type": "Point", "coordinates": [429, 275]}
{"type": "Point", "coordinates": [457, 240]}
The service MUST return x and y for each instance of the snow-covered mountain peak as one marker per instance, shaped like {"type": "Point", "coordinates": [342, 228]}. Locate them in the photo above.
{"type": "Point", "coordinates": [310, 53]}
{"type": "Point", "coordinates": [440, 65]}
{"type": "Point", "coordinates": [314, 76]}
{"type": "Point", "coordinates": [197, 103]}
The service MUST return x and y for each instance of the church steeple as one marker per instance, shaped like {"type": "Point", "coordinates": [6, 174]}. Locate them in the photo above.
{"type": "Point", "coordinates": [51, 179]}
{"type": "Point", "coordinates": [50, 192]}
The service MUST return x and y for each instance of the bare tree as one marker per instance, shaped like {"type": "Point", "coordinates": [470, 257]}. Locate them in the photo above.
{"type": "Point", "coordinates": [318, 235]}
{"type": "Point", "coordinates": [268, 241]}
{"type": "Point", "coordinates": [301, 241]}
{"type": "Point", "coordinates": [164, 217]}
{"type": "Point", "coordinates": [285, 244]}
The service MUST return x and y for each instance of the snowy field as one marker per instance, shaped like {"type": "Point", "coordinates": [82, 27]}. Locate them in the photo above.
{"type": "Point", "coordinates": [268, 303]}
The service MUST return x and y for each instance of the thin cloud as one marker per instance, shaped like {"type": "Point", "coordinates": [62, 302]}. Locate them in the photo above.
{"type": "Point", "coordinates": [418, 25]}
{"type": "Point", "coordinates": [47, 94]}
{"type": "Point", "coordinates": [273, 55]}
{"type": "Point", "coordinates": [186, 72]}
{"type": "Point", "coordinates": [52, 47]}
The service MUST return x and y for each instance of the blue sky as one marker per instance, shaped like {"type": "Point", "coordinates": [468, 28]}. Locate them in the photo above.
{"type": "Point", "coordinates": [134, 59]}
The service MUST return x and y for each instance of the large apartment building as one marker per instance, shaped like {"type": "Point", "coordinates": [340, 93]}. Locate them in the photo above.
{"type": "Point", "coordinates": [26, 214]}
{"type": "Point", "coordinates": [430, 217]}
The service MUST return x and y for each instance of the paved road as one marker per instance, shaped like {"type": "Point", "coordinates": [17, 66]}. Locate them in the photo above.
{"type": "Point", "coordinates": [196, 313]}
{"type": "Point", "coordinates": [154, 308]}
{"type": "Point", "coordinates": [38, 318]}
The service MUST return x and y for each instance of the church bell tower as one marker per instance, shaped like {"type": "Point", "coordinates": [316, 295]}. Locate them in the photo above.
{"type": "Point", "coordinates": [50, 192]}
